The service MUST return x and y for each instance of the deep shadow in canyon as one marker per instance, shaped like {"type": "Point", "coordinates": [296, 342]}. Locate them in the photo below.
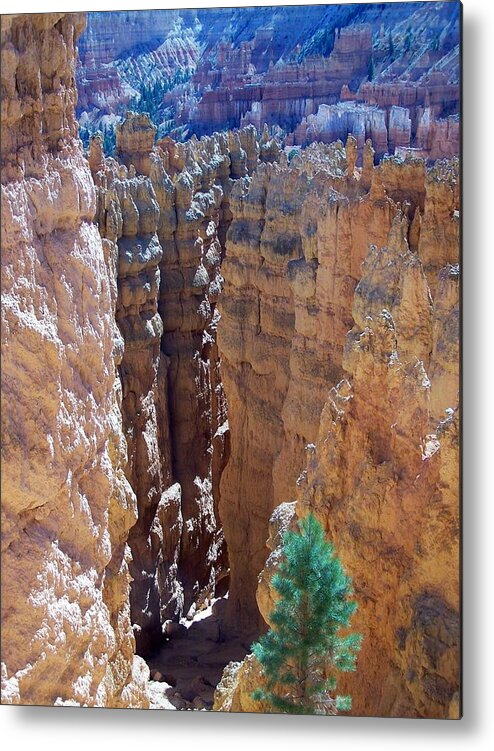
{"type": "Point", "coordinates": [163, 214]}
{"type": "Point", "coordinates": [189, 665]}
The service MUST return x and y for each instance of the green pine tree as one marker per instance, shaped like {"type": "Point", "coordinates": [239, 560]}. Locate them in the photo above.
{"type": "Point", "coordinates": [303, 651]}
{"type": "Point", "coordinates": [109, 139]}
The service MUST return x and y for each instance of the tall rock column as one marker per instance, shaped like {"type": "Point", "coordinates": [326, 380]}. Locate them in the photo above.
{"type": "Point", "coordinates": [66, 504]}
{"type": "Point", "coordinates": [382, 473]}
{"type": "Point", "coordinates": [163, 212]}
{"type": "Point", "coordinates": [193, 183]}
{"type": "Point", "coordinates": [299, 234]}
{"type": "Point", "coordinates": [128, 217]}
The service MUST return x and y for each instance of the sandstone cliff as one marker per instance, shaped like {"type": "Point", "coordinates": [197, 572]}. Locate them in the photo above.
{"type": "Point", "coordinates": [294, 250]}
{"type": "Point", "coordinates": [164, 212]}
{"type": "Point", "coordinates": [244, 331]}
{"type": "Point", "coordinates": [66, 505]}
{"type": "Point", "coordinates": [381, 466]}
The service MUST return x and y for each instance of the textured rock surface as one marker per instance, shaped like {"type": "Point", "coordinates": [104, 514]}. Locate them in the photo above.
{"type": "Point", "coordinates": [336, 121]}
{"type": "Point", "coordinates": [278, 66]}
{"type": "Point", "coordinates": [128, 215]}
{"type": "Point", "coordinates": [382, 471]}
{"type": "Point", "coordinates": [164, 212]}
{"type": "Point", "coordinates": [122, 51]}
{"type": "Point", "coordinates": [293, 258]}
{"type": "Point", "coordinates": [99, 466]}
{"type": "Point", "coordinates": [66, 505]}
{"type": "Point", "coordinates": [333, 62]}
{"type": "Point", "coordinates": [287, 91]}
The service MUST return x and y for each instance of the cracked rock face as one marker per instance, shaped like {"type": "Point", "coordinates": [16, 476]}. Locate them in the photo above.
{"type": "Point", "coordinates": [66, 505]}
{"type": "Point", "coordinates": [164, 212]}
{"type": "Point", "coordinates": [381, 467]}
{"type": "Point", "coordinates": [295, 247]}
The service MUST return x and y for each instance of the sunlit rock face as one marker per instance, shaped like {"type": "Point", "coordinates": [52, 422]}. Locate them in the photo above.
{"type": "Point", "coordinates": [67, 507]}
{"type": "Point", "coordinates": [196, 333]}
{"type": "Point", "coordinates": [299, 234]}
{"type": "Point", "coordinates": [394, 511]}
{"type": "Point", "coordinates": [379, 411]}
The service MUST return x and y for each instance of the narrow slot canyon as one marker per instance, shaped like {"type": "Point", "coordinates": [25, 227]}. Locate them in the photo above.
{"type": "Point", "coordinates": [270, 321]}
{"type": "Point", "coordinates": [204, 342]}
{"type": "Point", "coordinates": [161, 213]}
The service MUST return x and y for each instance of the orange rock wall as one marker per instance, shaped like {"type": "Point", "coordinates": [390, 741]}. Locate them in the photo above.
{"type": "Point", "coordinates": [293, 257]}
{"type": "Point", "coordinates": [66, 505]}
{"type": "Point", "coordinates": [377, 402]}
{"type": "Point", "coordinates": [320, 300]}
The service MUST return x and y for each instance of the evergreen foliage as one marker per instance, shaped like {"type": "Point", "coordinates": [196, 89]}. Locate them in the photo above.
{"type": "Point", "coordinates": [85, 135]}
{"type": "Point", "coordinates": [109, 140]}
{"type": "Point", "coordinates": [370, 68]}
{"type": "Point", "coordinates": [322, 41]}
{"type": "Point", "coordinates": [108, 135]}
{"type": "Point", "coordinates": [304, 650]}
{"type": "Point", "coordinates": [150, 98]}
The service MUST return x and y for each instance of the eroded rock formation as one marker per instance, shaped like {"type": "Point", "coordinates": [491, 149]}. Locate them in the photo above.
{"type": "Point", "coordinates": [285, 67]}
{"type": "Point", "coordinates": [294, 252]}
{"type": "Point", "coordinates": [381, 468]}
{"type": "Point", "coordinates": [286, 92]}
{"type": "Point", "coordinates": [122, 51]}
{"type": "Point", "coordinates": [67, 507]}
{"type": "Point", "coordinates": [317, 293]}
{"type": "Point", "coordinates": [164, 212]}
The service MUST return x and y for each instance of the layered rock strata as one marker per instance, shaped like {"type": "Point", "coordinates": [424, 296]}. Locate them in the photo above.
{"type": "Point", "coordinates": [290, 239]}
{"type": "Point", "coordinates": [284, 94]}
{"type": "Point", "coordinates": [299, 235]}
{"type": "Point", "coordinates": [121, 52]}
{"type": "Point", "coordinates": [335, 122]}
{"type": "Point", "coordinates": [67, 507]}
{"type": "Point", "coordinates": [381, 466]}
{"type": "Point", "coordinates": [394, 75]}
{"type": "Point", "coordinates": [280, 66]}
{"type": "Point", "coordinates": [395, 116]}
{"type": "Point", "coordinates": [165, 212]}
{"type": "Point", "coordinates": [128, 215]}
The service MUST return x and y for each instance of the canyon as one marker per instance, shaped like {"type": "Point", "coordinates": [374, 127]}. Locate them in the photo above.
{"type": "Point", "coordinates": [373, 456]}
{"type": "Point", "coordinates": [319, 73]}
{"type": "Point", "coordinates": [203, 341]}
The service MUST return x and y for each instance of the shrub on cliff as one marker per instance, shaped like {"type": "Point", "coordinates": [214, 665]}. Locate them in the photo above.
{"type": "Point", "coordinates": [304, 650]}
